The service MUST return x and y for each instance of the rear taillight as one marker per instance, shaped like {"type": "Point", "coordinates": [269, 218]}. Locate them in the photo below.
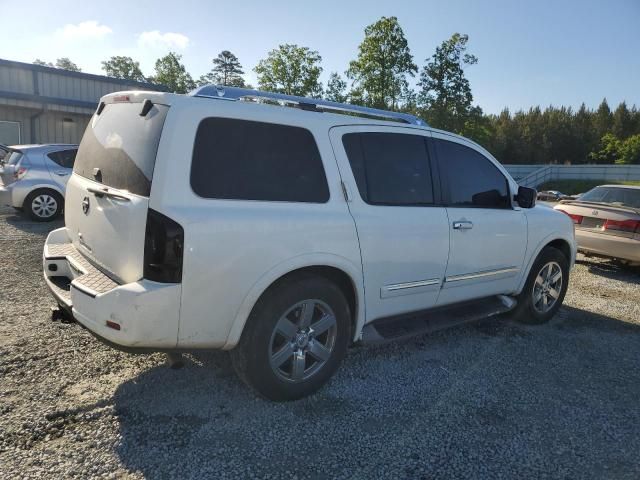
{"type": "Point", "coordinates": [630, 226]}
{"type": "Point", "coordinates": [163, 249]}
{"type": "Point", "coordinates": [577, 219]}
{"type": "Point", "coordinates": [19, 173]}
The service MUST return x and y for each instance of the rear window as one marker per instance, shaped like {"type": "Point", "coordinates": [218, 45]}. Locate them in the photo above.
{"type": "Point", "coordinates": [628, 197]}
{"type": "Point", "coordinates": [246, 160]}
{"type": "Point", "coordinates": [13, 158]}
{"type": "Point", "coordinates": [64, 158]}
{"type": "Point", "coordinates": [119, 147]}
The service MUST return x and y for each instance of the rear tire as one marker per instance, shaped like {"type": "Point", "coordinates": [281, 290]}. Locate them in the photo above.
{"type": "Point", "coordinates": [294, 339]}
{"type": "Point", "coordinates": [44, 205]}
{"type": "Point", "coordinates": [545, 288]}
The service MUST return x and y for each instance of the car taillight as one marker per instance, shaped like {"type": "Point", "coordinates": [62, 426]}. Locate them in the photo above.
{"type": "Point", "coordinates": [19, 173]}
{"type": "Point", "coordinates": [163, 249]}
{"type": "Point", "coordinates": [630, 226]}
{"type": "Point", "coordinates": [577, 219]}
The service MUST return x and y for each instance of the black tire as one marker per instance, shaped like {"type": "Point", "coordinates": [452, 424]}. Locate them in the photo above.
{"type": "Point", "coordinates": [532, 312]}
{"type": "Point", "coordinates": [252, 357]}
{"type": "Point", "coordinates": [40, 202]}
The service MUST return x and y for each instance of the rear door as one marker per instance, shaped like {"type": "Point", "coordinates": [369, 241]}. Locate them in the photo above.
{"type": "Point", "coordinates": [403, 231]}
{"type": "Point", "coordinates": [108, 194]}
{"type": "Point", "coordinates": [488, 235]}
{"type": "Point", "coordinates": [60, 165]}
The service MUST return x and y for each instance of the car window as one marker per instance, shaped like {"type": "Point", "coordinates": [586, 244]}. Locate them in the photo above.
{"type": "Point", "coordinates": [473, 180]}
{"type": "Point", "coordinates": [13, 158]}
{"type": "Point", "coordinates": [247, 160]}
{"type": "Point", "coordinates": [623, 196]}
{"type": "Point", "coordinates": [64, 158]}
{"type": "Point", "coordinates": [390, 168]}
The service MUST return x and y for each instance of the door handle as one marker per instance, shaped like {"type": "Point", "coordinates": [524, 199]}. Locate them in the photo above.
{"type": "Point", "coordinates": [62, 173]}
{"type": "Point", "coordinates": [462, 225]}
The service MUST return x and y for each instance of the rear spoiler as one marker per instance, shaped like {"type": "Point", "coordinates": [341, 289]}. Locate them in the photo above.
{"type": "Point", "coordinates": [579, 202]}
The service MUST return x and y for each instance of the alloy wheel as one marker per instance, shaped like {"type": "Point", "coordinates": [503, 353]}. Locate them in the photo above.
{"type": "Point", "coordinates": [303, 340]}
{"type": "Point", "coordinates": [547, 287]}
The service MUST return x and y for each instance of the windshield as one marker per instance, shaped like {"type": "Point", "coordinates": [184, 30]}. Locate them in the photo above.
{"type": "Point", "coordinates": [119, 147]}
{"type": "Point", "coordinates": [629, 197]}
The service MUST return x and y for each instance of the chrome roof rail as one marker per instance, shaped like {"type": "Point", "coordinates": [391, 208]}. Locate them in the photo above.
{"type": "Point", "coordinates": [305, 103]}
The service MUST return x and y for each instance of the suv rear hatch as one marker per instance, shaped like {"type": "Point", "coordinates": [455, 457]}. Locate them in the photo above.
{"type": "Point", "coordinates": [107, 197]}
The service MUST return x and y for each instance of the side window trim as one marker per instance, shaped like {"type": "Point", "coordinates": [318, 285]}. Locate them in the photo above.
{"type": "Point", "coordinates": [446, 187]}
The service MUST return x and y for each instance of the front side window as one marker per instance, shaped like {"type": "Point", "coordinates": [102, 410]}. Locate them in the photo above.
{"type": "Point", "coordinates": [247, 160]}
{"type": "Point", "coordinates": [64, 158]}
{"type": "Point", "coordinates": [390, 168]}
{"type": "Point", "coordinates": [473, 180]}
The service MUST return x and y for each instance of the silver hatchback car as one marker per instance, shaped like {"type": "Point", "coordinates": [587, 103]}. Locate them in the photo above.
{"type": "Point", "coordinates": [34, 179]}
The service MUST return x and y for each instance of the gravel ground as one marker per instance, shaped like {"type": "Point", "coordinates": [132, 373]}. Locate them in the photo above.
{"type": "Point", "coordinates": [488, 400]}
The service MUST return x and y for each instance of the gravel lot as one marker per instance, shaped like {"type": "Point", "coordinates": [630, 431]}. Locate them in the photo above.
{"type": "Point", "coordinates": [489, 400]}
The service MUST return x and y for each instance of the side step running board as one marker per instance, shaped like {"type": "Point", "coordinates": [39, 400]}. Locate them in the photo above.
{"type": "Point", "coordinates": [426, 321]}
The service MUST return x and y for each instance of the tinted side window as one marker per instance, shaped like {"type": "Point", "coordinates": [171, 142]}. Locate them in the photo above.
{"type": "Point", "coordinates": [390, 168]}
{"type": "Point", "coordinates": [473, 180]}
{"type": "Point", "coordinates": [238, 159]}
{"type": "Point", "coordinates": [64, 158]}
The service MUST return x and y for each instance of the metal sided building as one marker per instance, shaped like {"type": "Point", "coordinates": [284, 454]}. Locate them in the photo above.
{"type": "Point", "coordinates": [49, 105]}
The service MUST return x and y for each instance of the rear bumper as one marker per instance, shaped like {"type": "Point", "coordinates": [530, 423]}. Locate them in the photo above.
{"type": "Point", "coordinates": [610, 246]}
{"type": "Point", "coordinates": [6, 197]}
{"type": "Point", "coordinates": [146, 312]}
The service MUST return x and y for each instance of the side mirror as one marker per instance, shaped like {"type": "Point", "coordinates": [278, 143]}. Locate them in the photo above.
{"type": "Point", "coordinates": [526, 197]}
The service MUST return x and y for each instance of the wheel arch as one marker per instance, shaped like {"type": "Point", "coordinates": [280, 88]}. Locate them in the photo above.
{"type": "Point", "coordinates": [38, 186]}
{"type": "Point", "coordinates": [564, 245]}
{"type": "Point", "coordinates": [337, 269]}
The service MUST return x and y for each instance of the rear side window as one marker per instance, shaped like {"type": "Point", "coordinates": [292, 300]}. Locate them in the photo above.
{"type": "Point", "coordinates": [390, 168]}
{"type": "Point", "coordinates": [119, 147]}
{"type": "Point", "coordinates": [64, 158]}
{"type": "Point", "coordinates": [473, 180]}
{"type": "Point", "coordinates": [246, 160]}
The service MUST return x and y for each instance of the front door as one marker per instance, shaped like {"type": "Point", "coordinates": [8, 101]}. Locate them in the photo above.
{"type": "Point", "coordinates": [488, 233]}
{"type": "Point", "coordinates": [403, 233]}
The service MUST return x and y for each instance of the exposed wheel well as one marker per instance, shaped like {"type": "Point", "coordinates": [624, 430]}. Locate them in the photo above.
{"type": "Point", "coordinates": [563, 246]}
{"type": "Point", "coordinates": [334, 275]}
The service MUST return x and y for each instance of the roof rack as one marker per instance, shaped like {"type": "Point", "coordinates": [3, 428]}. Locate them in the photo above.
{"type": "Point", "coordinates": [305, 103]}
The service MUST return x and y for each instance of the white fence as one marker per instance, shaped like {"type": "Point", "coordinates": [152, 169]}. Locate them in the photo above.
{"type": "Point", "coordinates": [534, 175]}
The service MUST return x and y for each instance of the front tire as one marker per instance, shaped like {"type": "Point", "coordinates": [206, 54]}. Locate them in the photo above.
{"type": "Point", "coordinates": [544, 291]}
{"type": "Point", "coordinates": [44, 205]}
{"type": "Point", "coordinates": [294, 339]}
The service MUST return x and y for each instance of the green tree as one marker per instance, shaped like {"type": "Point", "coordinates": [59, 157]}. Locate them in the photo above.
{"type": "Point", "coordinates": [379, 74]}
{"type": "Point", "coordinates": [630, 150]}
{"type": "Point", "coordinates": [445, 93]}
{"type": "Point", "coordinates": [37, 61]}
{"type": "Point", "coordinates": [610, 149]}
{"type": "Point", "coordinates": [123, 67]}
{"type": "Point", "coordinates": [622, 121]}
{"type": "Point", "coordinates": [292, 70]}
{"type": "Point", "coordinates": [65, 64]}
{"type": "Point", "coordinates": [603, 119]}
{"type": "Point", "coordinates": [227, 70]}
{"type": "Point", "coordinates": [171, 73]}
{"type": "Point", "coordinates": [336, 89]}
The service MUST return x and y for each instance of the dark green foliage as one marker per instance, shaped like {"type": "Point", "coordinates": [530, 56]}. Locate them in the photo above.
{"type": "Point", "coordinates": [226, 70]}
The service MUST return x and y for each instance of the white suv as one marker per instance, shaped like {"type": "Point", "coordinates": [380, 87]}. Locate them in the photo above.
{"type": "Point", "coordinates": [228, 220]}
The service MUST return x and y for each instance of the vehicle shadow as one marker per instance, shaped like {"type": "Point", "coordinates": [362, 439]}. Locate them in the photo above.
{"type": "Point", "coordinates": [611, 269]}
{"type": "Point", "coordinates": [21, 224]}
{"type": "Point", "coordinates": [563, 396]}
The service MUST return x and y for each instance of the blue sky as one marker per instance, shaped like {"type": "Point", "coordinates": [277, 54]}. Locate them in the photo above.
{"type": "Point", "coordinates": [530, 52]}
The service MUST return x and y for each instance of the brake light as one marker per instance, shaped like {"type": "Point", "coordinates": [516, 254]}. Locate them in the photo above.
{"type": "Point", "coordinates": [577, 219]}
{"type": "Point", "coordinates": [630, 226]}
{"type": "Point", "coordinates": [163, 249]}
{"type": "Point", "coordinates": [19, 173]}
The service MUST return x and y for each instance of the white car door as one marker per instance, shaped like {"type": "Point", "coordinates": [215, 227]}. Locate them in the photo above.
{"type": "Point", "coordinates": [488, 231]}
{"type": "Point", "coordinates": [403, 232]}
